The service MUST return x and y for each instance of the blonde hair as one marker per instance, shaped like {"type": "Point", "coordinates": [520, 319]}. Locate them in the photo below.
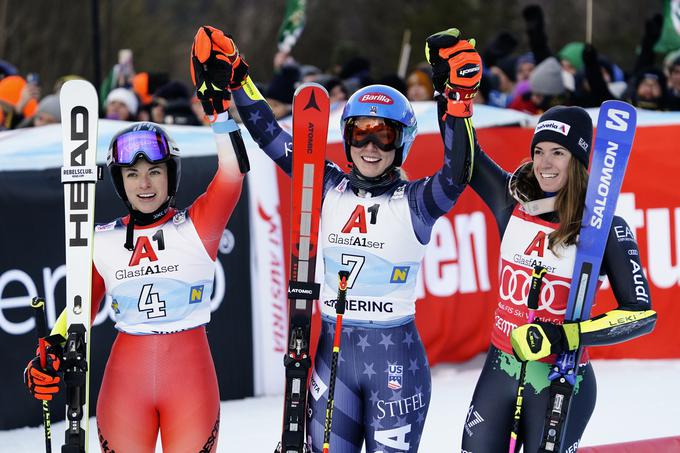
{"type": "Point", "coordinates": [569, 201]}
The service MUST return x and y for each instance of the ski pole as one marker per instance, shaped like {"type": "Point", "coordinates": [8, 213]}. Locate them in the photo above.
{"type": "Point", "coordinates": [339, 311]}
{"type": "Point", "coordinates": [532, 304]}
{"type": "Point", "coordinates": [38, 304]}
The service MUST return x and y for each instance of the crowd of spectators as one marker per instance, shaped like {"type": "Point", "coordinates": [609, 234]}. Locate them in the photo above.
{"type": "Point", "coordinates": [531, 80]}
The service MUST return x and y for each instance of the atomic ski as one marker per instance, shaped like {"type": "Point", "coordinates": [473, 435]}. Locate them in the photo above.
{"type": "Point", "coordinates": [79, 114]}
{"type": "Point", "coordinates": [310, 128]}
{"type": "Point", "coordinates": [616, 124]}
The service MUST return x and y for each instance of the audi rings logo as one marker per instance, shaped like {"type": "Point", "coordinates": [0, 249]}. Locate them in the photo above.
{"type": "Point", "coordinates": [515, 284]}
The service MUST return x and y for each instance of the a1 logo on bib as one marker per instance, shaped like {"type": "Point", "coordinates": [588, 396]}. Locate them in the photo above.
{"type": "Point", "coordinates": [537, 245]}
{"type": "Point", "coordinates": [358, 219]}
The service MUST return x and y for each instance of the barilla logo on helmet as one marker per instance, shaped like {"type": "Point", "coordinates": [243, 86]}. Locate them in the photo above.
{"type": "Point", "coordinates": [468, 70]}
{"type": "Point", "coordinates": [552, 125]}
{"type": "Point", "coordinates": [376, 98]}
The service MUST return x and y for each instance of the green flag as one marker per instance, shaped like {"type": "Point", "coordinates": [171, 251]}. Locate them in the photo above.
{"type": "Point", "coordinates": [670, 33]}
{"type": "Point", "coordinates": [292, 25]}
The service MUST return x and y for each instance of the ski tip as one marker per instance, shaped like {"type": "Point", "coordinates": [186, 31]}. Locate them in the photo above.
{"type": "Point", "coordinates": [617, 121]}
{"type": "Point", "coordinates": [621, 106]}
{"type": "Point", "coordinates": [312, 85]}
{"type": "Point", "coordinates": [78, 86]}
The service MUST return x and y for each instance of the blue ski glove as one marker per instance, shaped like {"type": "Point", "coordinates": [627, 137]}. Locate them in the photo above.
{"type": "Point", "coordinates": [539, 339]}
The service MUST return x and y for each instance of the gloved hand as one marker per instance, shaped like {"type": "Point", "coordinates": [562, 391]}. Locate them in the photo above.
{"type": "Point", "coordinates": [540, 339]}
{"type": "Point", "coordinates": [216, 67]}
{"type": "Point", "coordinates": [456, 70]}
{"type": "Point", "coordinates": [43, 381]}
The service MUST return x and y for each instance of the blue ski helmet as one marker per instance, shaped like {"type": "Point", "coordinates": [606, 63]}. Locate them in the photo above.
{"type": "Point", "coordinates": [381, 101]}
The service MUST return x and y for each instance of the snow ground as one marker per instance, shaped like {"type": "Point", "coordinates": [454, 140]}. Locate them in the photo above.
{"type": "Point", "coordinates": [637, 399]}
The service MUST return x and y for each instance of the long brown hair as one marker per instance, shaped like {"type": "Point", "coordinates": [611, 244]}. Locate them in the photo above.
{"type": "Point", "coordinates": [569, 202]}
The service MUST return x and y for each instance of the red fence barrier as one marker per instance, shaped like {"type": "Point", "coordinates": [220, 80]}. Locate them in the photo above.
{"type": "Point", "coordinates": [460, 270]}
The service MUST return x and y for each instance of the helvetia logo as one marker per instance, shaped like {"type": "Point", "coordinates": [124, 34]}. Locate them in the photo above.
{"type": "Point", "coordinates": [376, 98]}
{"type": "Point", "coordinates": [552, 125]}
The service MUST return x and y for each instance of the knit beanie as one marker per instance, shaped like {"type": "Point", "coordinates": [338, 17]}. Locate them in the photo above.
{"type": "Point", "coordinates": [50, 105]}
{"type": "Point", "coordinates": [570, 127]}
{"type": "Point", "coordinates": [125, 96]}
{"type": "Point", "coordinates": [573, 53]}
{"type": "Point", "coordinates": [546, 78]}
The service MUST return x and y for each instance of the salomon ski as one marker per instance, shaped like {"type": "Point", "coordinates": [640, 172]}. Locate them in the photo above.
{"type": "Point", "coordinates": [613, 142]}
{"type": "Point", "coordinates": [79, 113]}
{"type": "Point", "coordinates": [310, 128]}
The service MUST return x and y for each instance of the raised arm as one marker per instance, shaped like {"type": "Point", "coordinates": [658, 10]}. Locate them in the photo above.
{"type": "Point", "coordinates": [215, 62]}
{"type": "Point", "coordinates": [211, 210]}
{"type": "Point", "coordinates": [259, 119]}
{"type": "Point", "coordinates": [453, 62]}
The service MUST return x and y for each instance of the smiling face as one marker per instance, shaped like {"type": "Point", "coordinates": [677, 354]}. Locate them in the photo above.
{"type": "Point", "coordinates": [146, 185]}
{"type": "Point", "coordinates": [551, 163]}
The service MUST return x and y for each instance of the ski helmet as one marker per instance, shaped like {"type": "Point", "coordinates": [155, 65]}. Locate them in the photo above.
{"type": "Point", "coordinates": [148, 141]}
{"type": "Point", "coordinates": [381, 101]}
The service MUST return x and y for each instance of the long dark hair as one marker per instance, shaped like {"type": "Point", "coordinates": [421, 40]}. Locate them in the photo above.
{"type": "Point", "coordinates": [569, 202]}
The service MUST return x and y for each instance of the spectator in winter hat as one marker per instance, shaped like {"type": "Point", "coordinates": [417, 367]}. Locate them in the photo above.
{"type": "Point", "coordinates": [121, 104]}
{"type": "Point", "coordinates": [571, 57]}
{"type": "Point", "coordinates": [549, 86]}
{"type": "Point", "coordinates": [502, 78]}
{"type": "Point", "coordinates": [524, 65]}
{"type": "Point", "coordinates": [546, 79]}
{"type": "Point", "coordinates": [167, 93]}
{"type": "Point", "coordinates": [18, 100]}
{"type": "Point", "coordinates": [674, 85]}
{"type": "Point", "coordinates": [48, 112]}
{"type": "Point", "coordinates": [419, 85]}
{"type": "Point", "coordinates": [649, 90]}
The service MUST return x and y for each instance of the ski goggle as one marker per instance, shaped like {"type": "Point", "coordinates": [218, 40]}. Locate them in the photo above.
{"type": "Point", "coordinates": [385, 134]}
{"type": "Point", "coordinates": [151, 145]}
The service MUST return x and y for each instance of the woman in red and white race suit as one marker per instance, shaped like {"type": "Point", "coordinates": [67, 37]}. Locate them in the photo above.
{"type": "Point", "coordinates": [158, 265]}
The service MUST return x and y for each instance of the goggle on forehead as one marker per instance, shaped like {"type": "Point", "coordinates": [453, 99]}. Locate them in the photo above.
{"type": "Point", "coordinates": [386, 135]}
{"type": "Point", "coordinates": [153, 146]}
